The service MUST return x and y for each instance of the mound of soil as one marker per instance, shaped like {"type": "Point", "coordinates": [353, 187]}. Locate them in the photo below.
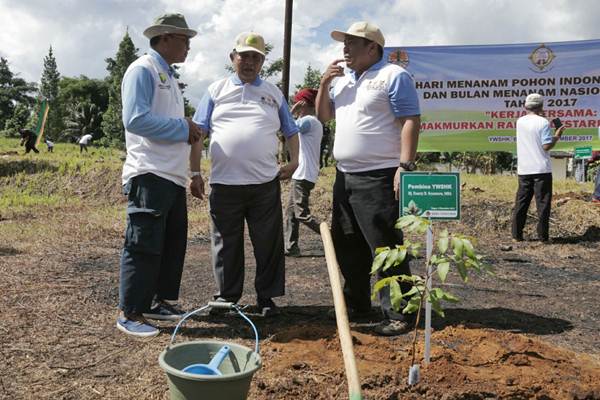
{"type": "Point", "coordinates": [465, 363]}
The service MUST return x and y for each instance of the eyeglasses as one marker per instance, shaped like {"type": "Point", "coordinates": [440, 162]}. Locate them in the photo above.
{"type": "Point", "coordinates": [186, 39]}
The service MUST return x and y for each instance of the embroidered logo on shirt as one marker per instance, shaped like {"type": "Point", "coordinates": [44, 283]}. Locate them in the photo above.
{"type": "Point", "coordinates": [376, 85]}
{"type": "Point", "coordinates": [269, 101]}
{"type": "Point", "coordinates": [162, 76]}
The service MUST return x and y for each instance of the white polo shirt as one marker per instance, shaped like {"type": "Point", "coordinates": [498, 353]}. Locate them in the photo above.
{"type": "Point", "coordinates": [243, 119]}
{"type": "Point", "coordinates": [367, 108]}
{"type": "Point", "coordinates": [533, 131]}
{"type": "Point", "coordinates": [311, 134]}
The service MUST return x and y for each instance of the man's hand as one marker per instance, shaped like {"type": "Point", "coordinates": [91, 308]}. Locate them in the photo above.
{"type": "Point", "coordinates": [397, 183]}
{"type": "Point", "coordinates": [332, 71]}
{"type": "Point", "coordinates": [559, 131]}
{"type": "Point", "coordinates": [194, 132]}
{"type": "Point", "coordinates": [286, 171]}
{"type": "Point", "coordinates": [197, 187]}
{"type": "Point", "coordinates": [297, 107]}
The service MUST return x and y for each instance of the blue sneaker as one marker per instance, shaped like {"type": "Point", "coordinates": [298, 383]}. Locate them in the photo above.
{"type": "Point", "coordinates": [139, 328]}
{"type": "Point", "coordinates": [164, 311]}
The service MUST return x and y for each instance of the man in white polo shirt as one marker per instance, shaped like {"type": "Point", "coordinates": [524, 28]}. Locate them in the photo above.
{"type": "Point", "coordinates": [303, 180]}
{"type": "Point", "coordinates": [155, 176]}
{"type": "Point", "coordinates": [534, 141]}
{"type": "Point", "coordinates": [243, 114]}
{"type": "Point", "coordinates": [377, 114]}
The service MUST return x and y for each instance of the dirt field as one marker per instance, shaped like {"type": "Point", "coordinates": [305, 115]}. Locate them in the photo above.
{"type": "Point", "coordinates": [530, 332]}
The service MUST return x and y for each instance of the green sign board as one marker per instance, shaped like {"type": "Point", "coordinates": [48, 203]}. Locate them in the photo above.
{"type": "Point", "coordinates": [583, 153]}
{"type": "Point", "coordinates": [432, 195]}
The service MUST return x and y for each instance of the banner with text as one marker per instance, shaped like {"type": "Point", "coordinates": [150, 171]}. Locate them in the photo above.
{"type": "Point", "coordinates": [471, 96]}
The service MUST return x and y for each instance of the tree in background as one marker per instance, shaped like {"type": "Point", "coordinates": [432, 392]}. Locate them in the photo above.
{"type": "Point", "coordinates": [83, 118]}
{"type": "Point", "coordinates": [112, 122]}
{"type": "Point", "coordinates": [84, 101]}
{"type": "Point", "coordinates": [312, 79]}
{"type": "Point", "coordinates": [16, 99]}
{"type": "Point", "coordinates": [49, 91]}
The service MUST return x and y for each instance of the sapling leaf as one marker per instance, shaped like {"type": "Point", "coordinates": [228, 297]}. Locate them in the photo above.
{"type": "Point", "coordinates": [462, 271]}
{"type": "Point", "coordinates": [437, 307]}
{"type": "Point", "coordinates": [381, 249]}
{"type": "Point", "coordinates": [443, 242]}
{"type": "Point", "coordinates": [442, 270]}
{"type": "Point", "coordinates": [390, 259]}
{"type": "Point", "coordinates": [379, 260]}
{"type": "Point", "coordinates": [395, 295]}
{"type": "Point", "coordinates": [457, 246]}
{"type": "Point", "coordinates": [413, 290]}
{"type": "Point", "coordinates": [468, 248]}
{"type": "Point", "coordinates": [380, 284]}
{"type": "Point", "coordinates": [413, 304]}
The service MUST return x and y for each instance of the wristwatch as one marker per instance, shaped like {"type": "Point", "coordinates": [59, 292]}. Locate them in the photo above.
{"type": "Point", "coordinates": [194, 174]}
{"type": "Point", "coordinates": [408, 166]}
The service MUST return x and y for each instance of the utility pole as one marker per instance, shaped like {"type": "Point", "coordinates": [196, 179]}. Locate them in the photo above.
{"type": "Point", "coordinates": [287, 44]}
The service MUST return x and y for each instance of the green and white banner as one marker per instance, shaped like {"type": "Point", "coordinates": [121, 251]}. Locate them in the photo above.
{"type": "Point", "coordinates": [471, 96]}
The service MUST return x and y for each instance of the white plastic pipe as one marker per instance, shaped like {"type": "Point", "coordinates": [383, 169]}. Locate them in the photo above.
{"type": "Point", "coordinates": [428, 304]}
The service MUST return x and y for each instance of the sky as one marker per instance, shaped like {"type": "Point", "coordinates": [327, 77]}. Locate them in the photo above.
{"type": "Point", "coordinates": [83, 33]}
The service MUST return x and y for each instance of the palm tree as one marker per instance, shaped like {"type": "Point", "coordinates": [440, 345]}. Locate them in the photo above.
{"type": "Point", "coordinates": [82, 118]}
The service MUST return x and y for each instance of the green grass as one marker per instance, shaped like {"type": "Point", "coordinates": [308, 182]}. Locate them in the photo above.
{"type": "Point", "coordinates": [504, 188]}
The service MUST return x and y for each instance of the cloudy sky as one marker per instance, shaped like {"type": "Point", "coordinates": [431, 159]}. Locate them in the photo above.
{"type": "Point", "coordinates": [84, 32]}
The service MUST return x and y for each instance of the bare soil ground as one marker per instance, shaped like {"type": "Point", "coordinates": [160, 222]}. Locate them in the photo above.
{"type": "Point", "coordinates": [530, 332]}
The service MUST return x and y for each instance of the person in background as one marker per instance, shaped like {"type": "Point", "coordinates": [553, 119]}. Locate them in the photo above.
{"type": "Point", "coordinates": [50, 145]}
{"type": "Point", "coordinates": [28, 139]}
{"type": "Point", "coordinates": [243, 114]}
{"type": "Point", "coordinates": [377, 114]}
{"type": "Point", "coordinates": [305, 177]}
{"type": "Point", "coordinates": [163, 158]}
{"type": "Point", "coordinates": [84, 141]}
{"type": "Point", "coordinates": [534, 169]}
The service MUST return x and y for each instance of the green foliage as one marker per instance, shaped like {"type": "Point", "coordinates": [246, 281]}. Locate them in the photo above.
{"type": "Point", "coordinates": [72, 91]}
{"type": "Point", "coordinates": [312, 79]}
{"type": "Point", "coordinates": [15, 94]}
{"type": "Point", "coordinates": [83, 118]}
{"type": "Point", "coordinates": [450, 251]}
{"type": "Point", "coordinates": [49, 91]}
{"type": "Point", "coordinates": [112, 123]}
{"type": "Point", "coordinates": [18, 120]}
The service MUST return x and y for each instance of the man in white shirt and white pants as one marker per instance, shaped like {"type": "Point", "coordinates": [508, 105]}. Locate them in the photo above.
{"type": "Point", "coordinates": [534, 141]}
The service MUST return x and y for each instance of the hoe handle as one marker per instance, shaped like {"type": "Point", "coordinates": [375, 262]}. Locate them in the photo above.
{"type": "Point", "coordinates": [341, 315]}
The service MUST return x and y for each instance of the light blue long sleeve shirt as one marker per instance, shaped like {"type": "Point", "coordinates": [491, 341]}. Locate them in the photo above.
{"type": "Point", "coordinates": [137, 92]}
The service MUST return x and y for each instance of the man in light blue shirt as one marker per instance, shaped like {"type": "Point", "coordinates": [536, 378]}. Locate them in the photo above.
{"type": "Point", "coordinates": [162, 147]}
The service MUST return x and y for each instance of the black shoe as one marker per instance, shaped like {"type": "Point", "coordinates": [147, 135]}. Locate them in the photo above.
{"type": "Point", "coordinates": [354, 315]}
{"type": "Point", "coordinates": [393, 327]}
{"type": "Point", "coordinates": [164, 311]}
{"type": "Point", "coordinates": [267, 307]}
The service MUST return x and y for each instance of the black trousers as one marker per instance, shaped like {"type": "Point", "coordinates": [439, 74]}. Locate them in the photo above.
{"type": "Point", "coordinates": [539, 185]}
{"type": "Point", "coordinates": [298, 211]}
{"type": "Point", "coordinates": [364, 214]}
{"type": "Point", "coordinates": [155, 242]}
{"type": "Point", "coordinates": [260, 206]}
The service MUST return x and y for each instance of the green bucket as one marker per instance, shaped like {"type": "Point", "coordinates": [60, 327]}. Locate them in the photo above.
{"type": "Point", "coordinates": [237, 368]}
